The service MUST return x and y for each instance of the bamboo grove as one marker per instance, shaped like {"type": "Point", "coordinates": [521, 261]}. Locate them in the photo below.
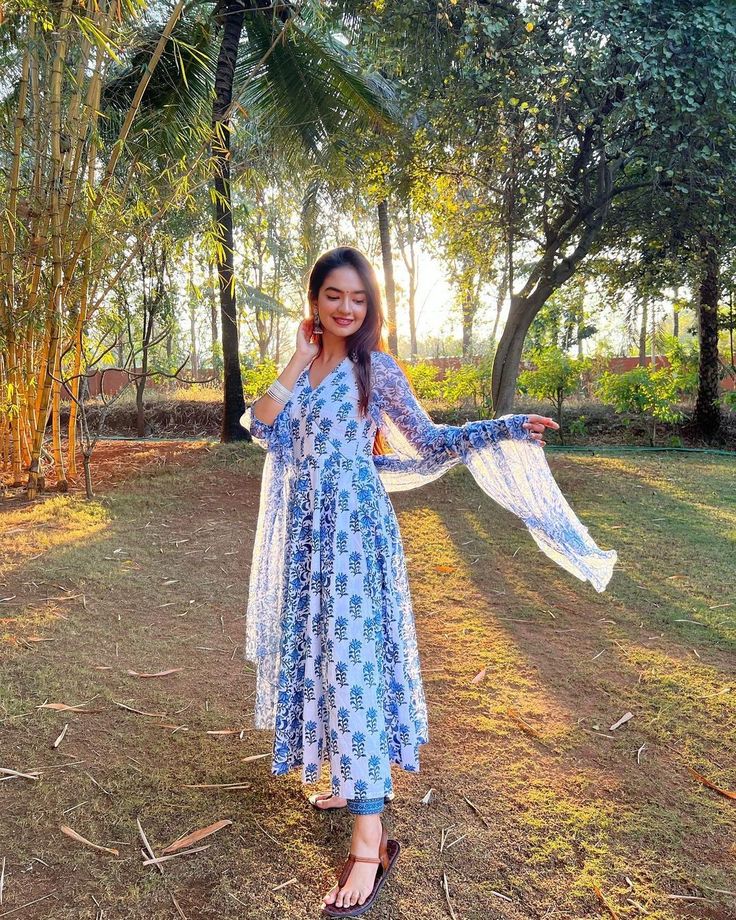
{"type": "Point", "coordinates": [66, 204]}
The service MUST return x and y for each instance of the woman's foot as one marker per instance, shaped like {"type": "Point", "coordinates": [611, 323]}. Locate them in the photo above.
{"type": "Point", "coordinates": [326, 800]}
{"type": "Point", "coordinates": [366, 841]}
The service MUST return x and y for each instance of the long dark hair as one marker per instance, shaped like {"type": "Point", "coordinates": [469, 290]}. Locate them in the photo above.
{"type": "Point", "coordinates": [369, 337]}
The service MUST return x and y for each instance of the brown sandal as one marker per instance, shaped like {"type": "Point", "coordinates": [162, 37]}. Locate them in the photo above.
{"type": "Point", "coordinates": [388, 854]}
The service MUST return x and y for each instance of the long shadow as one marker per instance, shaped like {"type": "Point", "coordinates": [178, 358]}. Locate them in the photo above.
{"type": "Point", "coordinates": [559, 672]}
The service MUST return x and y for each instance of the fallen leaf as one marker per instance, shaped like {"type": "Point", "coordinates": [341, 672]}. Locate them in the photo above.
{"type": "Point", "coordinates": [8, 772]}
{"type": "Point", "coordinates": [624, 718]}
{"type": "Point", "coordinates": [139, 712]}
{"type": "Point", "coordinates": [61, 736]}
{"type": "Point", "coordinates": [706, 782]}
{"type": "Point", "coordinates": [604, 902]}
{"type": "Point", "coordinates": [62, 707]}
{"type": "Point", "coordinates": [160, 859]}
{"type": "Point", "coordinates": [226, 731]}
{"type": "Point", "coordinates": [284, 884]}
{"type": "Point", "coordinates": [157, 674]}
{"type": "Point", "coordinates": [78, 837]}
{"type": "Point", "coordinates": [196, 836]}
{"type": "Point", "coordinates": [479, 676]}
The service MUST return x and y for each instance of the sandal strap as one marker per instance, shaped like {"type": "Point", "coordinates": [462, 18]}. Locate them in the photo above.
{"type": "Point", "coordinates": [368, 859]}
{"type": "Point", "coordinates": [342, 880]}
{"type": "Point", "coordinates": [383, 849]}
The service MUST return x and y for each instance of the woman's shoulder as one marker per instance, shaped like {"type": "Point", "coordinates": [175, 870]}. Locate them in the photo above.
{"type": "Point", "coordinates": [383, 359]}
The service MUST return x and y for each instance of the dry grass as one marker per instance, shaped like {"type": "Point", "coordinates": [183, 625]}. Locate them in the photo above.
{"type": "Point", "coordinates": [538, 808]}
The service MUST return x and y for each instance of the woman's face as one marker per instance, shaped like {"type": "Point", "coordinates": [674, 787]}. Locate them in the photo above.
{"type": "Point", "coordinates": [342, 297]}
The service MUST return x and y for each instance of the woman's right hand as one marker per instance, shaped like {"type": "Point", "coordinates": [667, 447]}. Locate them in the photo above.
{"type": "Point", "coordinates": [306, 350]}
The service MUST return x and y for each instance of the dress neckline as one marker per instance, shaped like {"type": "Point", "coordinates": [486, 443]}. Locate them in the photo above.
{"type": "Point", "coordinates": [326, 377]}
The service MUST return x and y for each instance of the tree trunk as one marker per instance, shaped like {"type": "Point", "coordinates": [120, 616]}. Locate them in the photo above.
{"type": "Point", "coordinates": [213, 315]}
{"type": "Point", "coordinates": [233, 15]}
{"type": "Point", "coordinates": [508, 354]}
{"type": "Point", "coordinates": [413, 322]}
{"type": "Point", "coordinates": [707, 417]}
{"type": "Point", "coordinates": [468, 313]}
{"type": "Point", "coordinates": [388, 275]}
{"type": "Point", "coordinates": [643, 332]}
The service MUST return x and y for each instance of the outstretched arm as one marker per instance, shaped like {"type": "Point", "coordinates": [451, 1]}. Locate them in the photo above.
{"type": "Point", "coordinates": [397, 399]}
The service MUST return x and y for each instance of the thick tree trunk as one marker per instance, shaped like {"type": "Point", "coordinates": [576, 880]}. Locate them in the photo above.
{"type": "Point", "coordinates": [508, 354]}
{"type": "Point", "coordinates": [549, 274]}
{"type": "Point", "coordinates": [707, 409]}
{"type": "Point", "coordinates": [233, 15]}
{"type": "Point", "coordinates": [388, 275]}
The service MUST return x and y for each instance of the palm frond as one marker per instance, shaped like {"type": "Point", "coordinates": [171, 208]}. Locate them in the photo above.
{"type": "Point", "coordinates": [307, 86]}
{"type": "Point", "coordinates": [176, 107]}
{"type": "Point", "coordinates": [260, 300]}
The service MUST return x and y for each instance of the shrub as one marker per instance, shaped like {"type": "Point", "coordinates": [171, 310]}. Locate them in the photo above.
{"type": "Point", "coordinates": [684, 361]}
{"type": "Point", "coordinates": [257, 379]}
{"type": "Point", "coordinates": [555, 377]}
{"type": "Point", "coordinates": [642, 394]}
{"type": "Point", "coordinates": [423, 378]}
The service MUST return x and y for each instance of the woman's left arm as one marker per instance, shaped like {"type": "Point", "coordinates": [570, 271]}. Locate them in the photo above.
{"type": "Point", "coordinates": [401, 405]}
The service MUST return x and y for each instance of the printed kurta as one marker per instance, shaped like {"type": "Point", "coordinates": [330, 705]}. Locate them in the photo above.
{"type": "Point", "coordinates": [330, 623]}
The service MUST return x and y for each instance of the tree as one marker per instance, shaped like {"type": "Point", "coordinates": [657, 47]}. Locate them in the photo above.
{"type": "Point", "coordinates": [555, 377]}
{"type": "Point", "coordinates": [559, 116]}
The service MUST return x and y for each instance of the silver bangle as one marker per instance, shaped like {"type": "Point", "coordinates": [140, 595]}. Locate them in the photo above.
{"type": "Point", "coordinates": [278, 392]}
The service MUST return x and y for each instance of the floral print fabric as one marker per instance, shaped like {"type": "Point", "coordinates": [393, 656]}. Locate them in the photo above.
{"type": "Point", "coordinates": [329, 623]}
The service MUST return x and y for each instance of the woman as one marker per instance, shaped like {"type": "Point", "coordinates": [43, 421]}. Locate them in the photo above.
{"type": "Point", "coordinates": [329, 622]}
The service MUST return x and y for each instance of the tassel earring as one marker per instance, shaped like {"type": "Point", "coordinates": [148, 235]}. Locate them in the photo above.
{"type": "Point", "coordinates": [317, 328]}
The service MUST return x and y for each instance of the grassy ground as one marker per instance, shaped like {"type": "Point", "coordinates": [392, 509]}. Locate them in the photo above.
{"type": "Point", "coordinates": [525, 668]}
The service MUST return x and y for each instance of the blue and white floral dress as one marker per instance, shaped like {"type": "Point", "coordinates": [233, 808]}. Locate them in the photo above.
{"type": "Point", "coordinates": [329, 622]}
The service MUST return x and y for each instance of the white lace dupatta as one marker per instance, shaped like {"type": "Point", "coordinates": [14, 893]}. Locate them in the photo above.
{"type": "Point", "coordinates": [508, 465]}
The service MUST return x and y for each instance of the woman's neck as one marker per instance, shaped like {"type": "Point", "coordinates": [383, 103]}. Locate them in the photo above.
{"type": "Point", "coordinates": [333, 350]}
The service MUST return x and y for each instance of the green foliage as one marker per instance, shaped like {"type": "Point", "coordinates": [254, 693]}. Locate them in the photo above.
{"type": "Point", "coordinates": [642, 394]}
{"type": "Point", "coordinates": [471, 383]}
{"type": "Point", "coordinates": [461, 385]}
{"type": "Point", "coordinates": [577, 427]}
{"type": "Point", "coordinates": [423, 378]}
{"type": "Point", "coordinates": [257, 379]}
{"type": "Point", "coordinates": [729, 399]}
{"type": "Point", "coordinates": [555, 377]}
{"type": "Point", "coordinates": [684, 361]}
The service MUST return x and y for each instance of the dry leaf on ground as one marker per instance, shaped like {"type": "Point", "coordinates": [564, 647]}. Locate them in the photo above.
{"type": "Point", "coordinates": [78, 837]}
{"type": "Point", "coordinates": [706, 782]}
{"type": "Point", "coordinates": [196, 836]}
{"type": "Point", "coordinates": [157, 674]}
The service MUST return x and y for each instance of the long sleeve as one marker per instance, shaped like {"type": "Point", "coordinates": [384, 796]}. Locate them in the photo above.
{"type": "Point", "coordinates": [422, 450]}
{"type": "Point", "coordinates": [266, 436]}
{"type": "Point", "coordinates": [502, 456]}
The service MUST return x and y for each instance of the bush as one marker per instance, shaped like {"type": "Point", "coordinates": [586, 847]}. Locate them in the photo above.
{"type": "Point", "coordinates": [257, 379]}
{"type": "Point", "coordinates": [423, 378]}
{"type": "Point", "coordinates": [642, 394]}
{"type": "Point", "coordinates": [684, 362]}
{"type": "Point", "coordinates": [555, 377]}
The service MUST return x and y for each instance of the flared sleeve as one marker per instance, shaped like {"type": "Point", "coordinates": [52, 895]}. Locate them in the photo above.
{"type": "Point", "coordinates": [504, 459]}
{"type": "Point", "coordinates": [266, 580]}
